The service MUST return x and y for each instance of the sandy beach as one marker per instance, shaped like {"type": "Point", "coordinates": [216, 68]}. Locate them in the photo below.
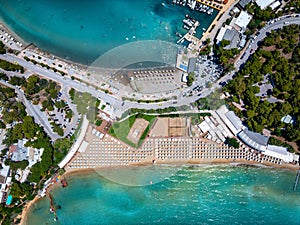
{"type": "Point", "coordinates": [27, 208]}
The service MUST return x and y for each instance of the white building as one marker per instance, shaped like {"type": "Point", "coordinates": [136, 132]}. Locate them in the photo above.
{"type": "Point", "coordinates": [20, 152]}
{"type": "Point", "coordinates": [263, 4]}
{"type": "Point", "coordinates": [275, 5]}
{"type": "Point", "coordinates": [230, 119]}
{"type": "Point", "coordinates": [279, 152]}
{"type": "Point", "coordinates": [243, 20]}
{"type": "Point", "coordinates": [221, 34]}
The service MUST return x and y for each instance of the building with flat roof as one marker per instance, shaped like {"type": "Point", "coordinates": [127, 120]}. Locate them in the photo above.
{"type": "Point", "coordinates": [230, 119]}
{"type": "Point", "coordinates": [263, 4]}
{"type": "Point", "coordinates": [279, 152]}
{"type": "Point", "coordinates": [191, 65]}
{"type": "Point", "coordinates": [243, 3]}
{"type": "Point", "coordinates": [287, 119]}
{"type": "Point", "coordinates": [254, 140]}
{"type": "Point", "coordinates": [220, 35]}
{"type": "Point", "coordinates": [235, 120]}
{"type": "Point", "coordinates": [243, 20]}
{"type": "Point", "coordinates": [233, 36]}
{"type": "Point", "coordinates": [275, 5]}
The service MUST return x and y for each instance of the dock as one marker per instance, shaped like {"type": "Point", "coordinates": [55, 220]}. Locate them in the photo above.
{"type": "Point", "coordinates": [296, 180]}
{"type": "Point", "coordinates": [189, 35]}
{"type": "Point", "coordinates": [213, 4]}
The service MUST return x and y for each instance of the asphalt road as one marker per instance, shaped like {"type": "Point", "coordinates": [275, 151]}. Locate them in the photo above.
{"type": "Point", "coordinates": [282, 21]}
{"type": "Point", "coordinates": [121, 106]}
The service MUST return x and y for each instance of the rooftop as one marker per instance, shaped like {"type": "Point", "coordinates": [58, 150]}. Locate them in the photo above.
{"type": "Point", "coordinates": [243, 3]}
{"type": "Point", "coordinates": [233, 36]}
{"type": "Point", "coordinates": [243, 20]}
{"type": "Point", "coordinates": [4, 171]}
{"type": "Point", "coordinates": [264, 3]}
{"type": "Point", "coordinates": [279, 152]}
{"type": "Point", "coordinates": [221, 34]}
{"type": "Point", "coordinates": [254, 140]}
{"type": "Point", "coordinates": [236, 121]}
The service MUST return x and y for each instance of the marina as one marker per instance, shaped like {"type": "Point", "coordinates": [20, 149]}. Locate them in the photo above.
{"type": "Point", "coordinates": [80, 25]}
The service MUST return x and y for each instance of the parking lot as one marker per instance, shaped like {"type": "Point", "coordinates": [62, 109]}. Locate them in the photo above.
{"type": "Point", "coordinates": [206, 73]}
{"type": "Point", "coordinates": [58, 116]}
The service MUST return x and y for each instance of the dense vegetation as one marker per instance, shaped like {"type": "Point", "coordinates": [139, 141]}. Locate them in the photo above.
{"type": "Point", "coordinates": [86, 104]}
{"type": "Point", "coordinates": [12, 111]}
{"type": "Point", "coordinates": [232, 142]}
{"type": "Point", "coordinates": [2, 48]}
{"type": "Point", "coordinates": [10, 66]}
{"type": "Point", "coordinates": [278, 60]}
{"type": "Point", "coordinates": [23, 126]}
{"type": "Point", "coordinates": [225, 55]}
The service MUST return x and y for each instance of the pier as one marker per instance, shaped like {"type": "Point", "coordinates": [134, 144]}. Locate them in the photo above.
{"type": "Point", "coordinates": [189, 35]}
{"type": "Point", "coordinates": [296, 180]}
{"type": "Point", "coordinates": [212, 4]}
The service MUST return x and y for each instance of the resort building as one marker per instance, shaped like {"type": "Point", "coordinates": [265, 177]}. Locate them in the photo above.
{"type": "Point", "coordinates": [221, 34]}
{"type": "Point", "coordinates": [281, 153]}
{"type": "Point", "coordinates": [254, 140]}
{"type": "Point", "coordinates": [19, 152]}
{"type": "Point", "coordinates": [233, 36]}
{"type": "Point", "coordinates": [230, 119]}
{"type": "Point", "coordinates": [275, 5]}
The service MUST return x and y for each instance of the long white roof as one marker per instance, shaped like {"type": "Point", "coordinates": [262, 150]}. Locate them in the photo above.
{"type": "Point", "coordinates": [4, 171]}
{"type": "Point", "coordinates": [264, 3]}
{"type": "Point", "coordinates": [279, 152]}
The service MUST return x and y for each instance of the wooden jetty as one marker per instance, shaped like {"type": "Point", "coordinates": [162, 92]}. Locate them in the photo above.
{"type": "Point", "coordinates": [296, 180]}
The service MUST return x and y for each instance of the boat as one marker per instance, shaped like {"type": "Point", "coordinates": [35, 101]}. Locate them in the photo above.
{"type": "Point", "coordinates": [203, 29]}
{"type": "Point", "coordinates": [188, 22]}
{"type": "Point", "coordinates": [186, 27]}
{"type": "Point", "coordinates": [190, 18]}
{"type": "Point", "coordinates": [178, 35]}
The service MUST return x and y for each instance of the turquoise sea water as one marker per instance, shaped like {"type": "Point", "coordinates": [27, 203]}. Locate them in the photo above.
{"type": "Point", "coordinates": [193, 195]}
{"type": "Point", "coordinates": [83, 30]}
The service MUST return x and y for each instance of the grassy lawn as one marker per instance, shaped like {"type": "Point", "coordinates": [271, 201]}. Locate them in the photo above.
{"type": "Point", "coordinates": [120, 130]}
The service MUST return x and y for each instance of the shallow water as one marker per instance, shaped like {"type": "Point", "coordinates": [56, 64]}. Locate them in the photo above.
{"type": "Point", "coordinates": [193, 195]}
{"type": "Point", "coordinates": [83, 30]}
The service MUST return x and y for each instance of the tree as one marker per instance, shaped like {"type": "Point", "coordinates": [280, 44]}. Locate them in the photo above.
{"type": "Point", "coordinates": [232, 142]}
{"type": "Point", "coordinates": [2, 48]}
{"type": "Point", "coordinates": [2, 125]}
{"type": "Point", "coordinates": [190, 78]}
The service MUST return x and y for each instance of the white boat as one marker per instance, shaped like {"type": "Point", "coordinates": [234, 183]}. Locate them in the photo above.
{"type": "Point", "coordinates": [193, 5]}
{"type": "Point", "coordinates": [186, 27]}
{"type": "Point", "coordinates": [188, 22]}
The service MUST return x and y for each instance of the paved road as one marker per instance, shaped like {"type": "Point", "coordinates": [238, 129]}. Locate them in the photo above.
{"type": "Point", "coordinates": [121, 106]}
{"type": "Point", "coordinates": [282, 21]}
{"type": "Point", "coordinates": [33, 111]}
{"type": "Point", "coordinates": [117, 103]}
